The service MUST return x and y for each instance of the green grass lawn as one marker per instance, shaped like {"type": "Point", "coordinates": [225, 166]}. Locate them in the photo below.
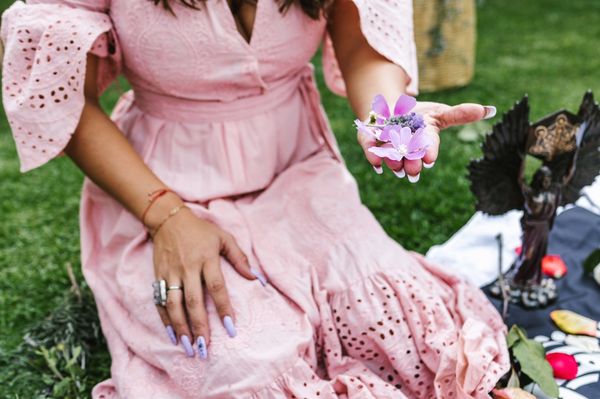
{"type": "Point", "coordinates": [548, 49]}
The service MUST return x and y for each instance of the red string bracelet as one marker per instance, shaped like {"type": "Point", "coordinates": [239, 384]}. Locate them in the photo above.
{"type": "Point", "coordinates": [153, 196]}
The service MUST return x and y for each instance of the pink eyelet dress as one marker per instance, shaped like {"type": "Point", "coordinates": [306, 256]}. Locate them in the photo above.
{"type": "Point", "coordinates": [238, 131]}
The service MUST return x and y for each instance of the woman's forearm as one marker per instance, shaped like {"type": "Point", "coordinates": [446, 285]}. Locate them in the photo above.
{"type": "Point", "coordinates": [108, 159]}
{"type": "Point", "coordinates": [366, 73]}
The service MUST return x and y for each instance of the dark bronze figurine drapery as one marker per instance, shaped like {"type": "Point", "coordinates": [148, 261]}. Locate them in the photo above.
{"type": "Point", "coordinates": [569, 147]}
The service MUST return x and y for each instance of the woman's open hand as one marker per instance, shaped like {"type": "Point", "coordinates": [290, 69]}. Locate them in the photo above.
{"type": "Point", "coordinates": [437, 117]}
{"type": "Point", "coordinates": [187, 251]}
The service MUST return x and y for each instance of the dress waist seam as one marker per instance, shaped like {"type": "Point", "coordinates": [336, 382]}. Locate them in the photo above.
{"type": "Point", "coordinates": [176, 109]}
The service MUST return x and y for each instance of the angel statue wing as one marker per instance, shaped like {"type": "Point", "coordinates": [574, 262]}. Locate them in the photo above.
{"type": "Point", "coordinates": [495, 178]}
{"type": "Point", "coordinates": [583, 165]}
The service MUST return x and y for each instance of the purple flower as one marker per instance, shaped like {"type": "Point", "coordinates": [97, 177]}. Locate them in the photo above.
{"type": "Point", "coordinates": [381, 108]}
{"type": "Point", "coordinates": [381, 115]}
{"type": "Point", "coordinates": [413, 120]}
{"type": "Point", "coordinates": [369, 131]}
{"type": "Point", "coordinates": [403, 144]}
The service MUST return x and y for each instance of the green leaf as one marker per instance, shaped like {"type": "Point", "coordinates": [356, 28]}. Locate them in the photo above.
{"type": "Point", "coordinates": [47, 378]}
{"type": "Point", "coordinates": [592, 261]}
{"type": "Point", "coordinates": [76, 352]}
{"type": "Point", "coordinates": [515, 334]}
{"type": "Point", "coordinates": [532, 359]}
{"type": "Point", "coordinates": [62, 389]}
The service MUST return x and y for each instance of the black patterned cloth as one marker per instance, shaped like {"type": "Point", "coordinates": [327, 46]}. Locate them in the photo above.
{"type": "Point", "coordinates": [575, 235]}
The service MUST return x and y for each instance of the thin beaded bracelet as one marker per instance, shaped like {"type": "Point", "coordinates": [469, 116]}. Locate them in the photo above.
{"type": "Point", "coordinates": [153, 196]}
{"type": "Point", "coordinates": [172, 213]}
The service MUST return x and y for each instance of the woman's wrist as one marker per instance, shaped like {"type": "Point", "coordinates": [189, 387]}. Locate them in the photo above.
{"type": "Point", "coordinates": [160, 209]}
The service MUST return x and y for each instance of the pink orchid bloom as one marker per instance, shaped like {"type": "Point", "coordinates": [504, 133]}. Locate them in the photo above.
{"type": "Point", "coordinates": [403, 144]}
{"type": "Point", "coordinates": [382, 110]}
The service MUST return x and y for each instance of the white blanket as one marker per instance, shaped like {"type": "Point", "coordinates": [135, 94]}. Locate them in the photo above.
{"type": "Point", "coordinates": [473, 251]}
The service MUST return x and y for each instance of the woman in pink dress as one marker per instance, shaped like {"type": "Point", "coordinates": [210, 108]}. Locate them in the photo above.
{"type": "Point", "coordinates": [281, 283]}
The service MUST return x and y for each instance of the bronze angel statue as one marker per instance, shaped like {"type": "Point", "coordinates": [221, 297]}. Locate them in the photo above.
{"type": "Point", "coordinates": [568, 146]}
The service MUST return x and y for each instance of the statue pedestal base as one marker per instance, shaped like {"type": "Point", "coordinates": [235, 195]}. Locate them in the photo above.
{"type": "Point", "coordinates": [530, 296]}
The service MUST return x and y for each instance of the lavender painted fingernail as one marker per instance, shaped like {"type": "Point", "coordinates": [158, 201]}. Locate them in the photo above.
{"type": "Point", "coordinates": [378, 169]}
{"type": "Point", "coordinates": [490, 111]}
{"type": "Point", "coordinates": [202, 348]}
{"type": "Point", "coordinates": [428, 165]}
{"type": "Point", "coordinates": [229, 327]}
{"type": "Point", "coordinates": [261, 277]}
{"type": "Point", "coordinates": [187, 345]}
{"type": "Point", "coordinates": [171, 334]}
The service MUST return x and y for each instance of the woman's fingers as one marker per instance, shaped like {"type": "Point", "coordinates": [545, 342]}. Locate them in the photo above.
{"type": "Point", "coordinates": [465, 113]}
{"type": "Point", "coordinates": [215, 284]}
{"type": "Point", "coordinates": [413, 167]}
{"type": "Point", "coordinates": [164, 316]}
{"type": "Point", "coordinates": [396, 166]}
{"type": "Point", "coordinates": [433, 150]}
{"type": "Point", "coordinates": [238, 259]}
{"type": "Point", "coordinates": [366, 141]}
{"type": "Point", "coordinates": [196, 312]}
{"type": "Point", "coordinates": [437, 117]}
{"type": "Point", "coordinates": [176, 312]}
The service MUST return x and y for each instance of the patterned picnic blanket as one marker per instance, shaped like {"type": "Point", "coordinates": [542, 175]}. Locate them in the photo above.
{"type": "Point", "coordinates": [575, 234]}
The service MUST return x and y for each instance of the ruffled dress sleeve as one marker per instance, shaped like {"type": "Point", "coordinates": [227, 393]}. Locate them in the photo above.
{"type": "Point", "coordinates": [388, 27]}
{"type": "Point", "coordinates": [46, 45]}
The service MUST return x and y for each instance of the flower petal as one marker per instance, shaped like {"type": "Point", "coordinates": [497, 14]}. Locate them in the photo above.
{"type": "Point", "coordinates": [418, 145]}
{"type": "Point", "coordinates": [419, 141]}
{"type": "Point", "coordinates": [406, 136]}
{"type": "Point", "coordinates": [360, 126]}
{"type": "Point", "coordinates": [574, 323]}
{"type": "Point", "coordinates": [419, 154]}
{"type": "Point", "coordinates": [404, 105]}
{"type": "Point", "coordinates": [380, 106]}
{"type": "Point", "coordinates": [386, 152]}
{"type": "Point", "coordinates": [512, 393]}
{"type": "Point", "coordinates": [396, 138]}
{"type": "Point", "coordinates": [385, 134]}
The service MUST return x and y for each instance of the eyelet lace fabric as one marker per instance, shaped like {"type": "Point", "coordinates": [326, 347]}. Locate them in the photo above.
{"type": "Point", "coordinates": [388, 27]}
{"type": "Point", "coordinates": [237, 129]}
{"type": "Point", "coordinates": [44, 71]}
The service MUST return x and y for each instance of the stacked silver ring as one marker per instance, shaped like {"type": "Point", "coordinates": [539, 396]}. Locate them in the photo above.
{"type": "Point", "coordinates": [160, 292]}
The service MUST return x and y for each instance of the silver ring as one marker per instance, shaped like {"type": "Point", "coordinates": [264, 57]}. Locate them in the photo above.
{"type": "Point", "coordinates": [160, 292]}
{"type": "Point", "coordinates": [174, 287]}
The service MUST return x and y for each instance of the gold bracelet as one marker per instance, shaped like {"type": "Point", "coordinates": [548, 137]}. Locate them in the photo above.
{"type": "Point", "coordinates": [172, 213]}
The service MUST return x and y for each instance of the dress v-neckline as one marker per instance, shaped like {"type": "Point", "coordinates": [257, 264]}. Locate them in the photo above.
{"type": "Point", "coordinates": [234, 26]}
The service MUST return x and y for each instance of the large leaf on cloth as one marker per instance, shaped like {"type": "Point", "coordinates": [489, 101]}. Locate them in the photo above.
{"type": "Point", "coordinates": [532, 360]}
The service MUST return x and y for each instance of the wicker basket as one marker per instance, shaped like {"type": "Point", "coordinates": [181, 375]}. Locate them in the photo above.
{"type": "Point", "coordinates": [445, 34]}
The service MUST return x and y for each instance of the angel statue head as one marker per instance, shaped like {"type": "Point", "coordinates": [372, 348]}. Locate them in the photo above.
{"type": "Point", "coordinates": [542, 179]}
{"type": "Point", "coordinates": [568, 145]}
